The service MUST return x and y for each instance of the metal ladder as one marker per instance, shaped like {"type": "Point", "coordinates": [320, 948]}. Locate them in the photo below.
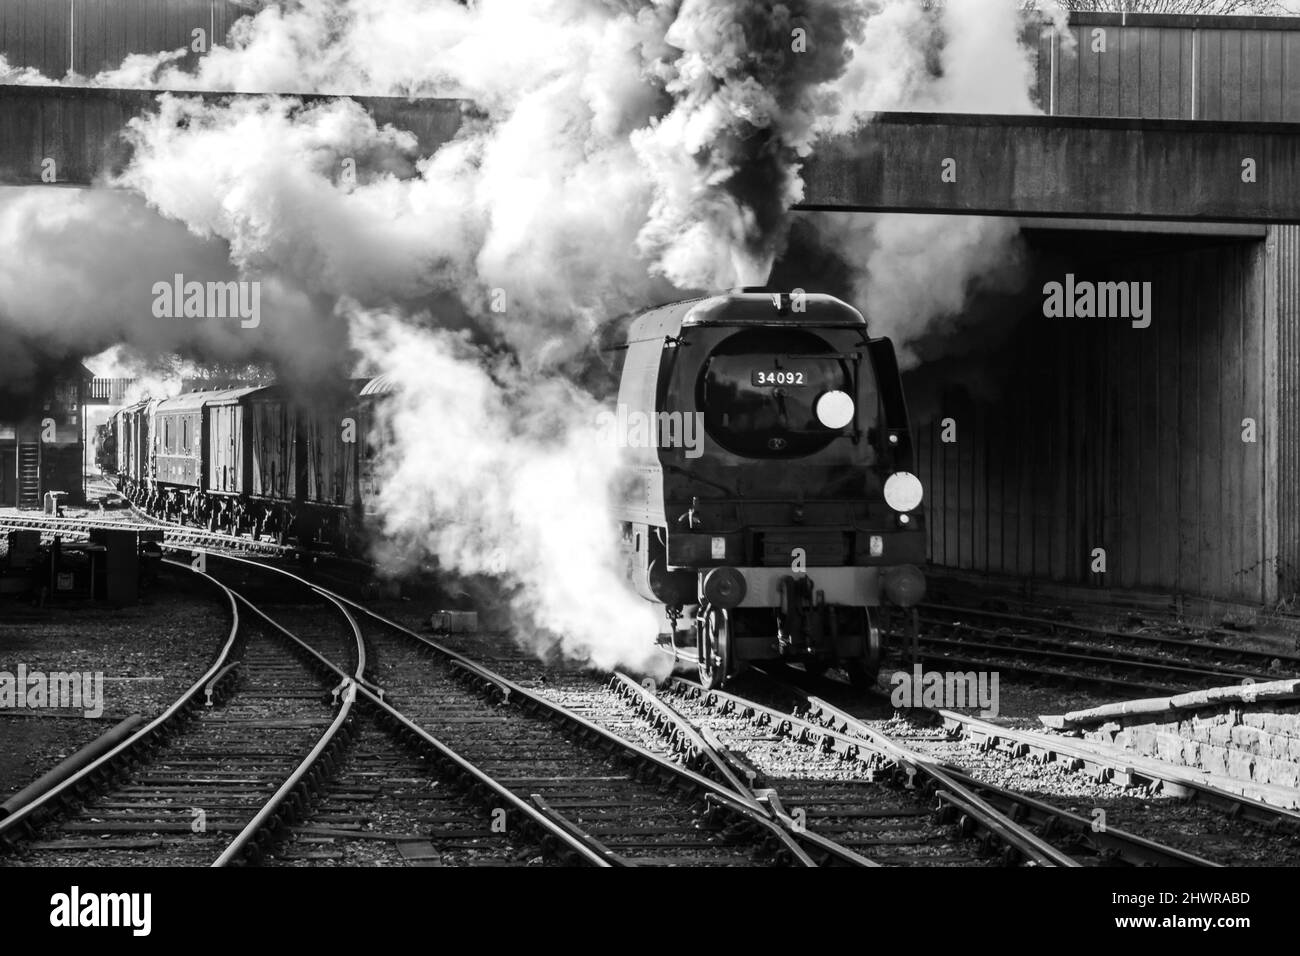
{"type": "Point", "coordinates": [29, 475]}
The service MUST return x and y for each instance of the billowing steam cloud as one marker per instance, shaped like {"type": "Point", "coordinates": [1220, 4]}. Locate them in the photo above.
{"type": "Point", "coordinates": [620, 151]}
{"type": "Point", "coordinates": [748, 83]}
{"type": "Point", "coordinates": [505, 476]}
{"type": "Point", "coordinates": [912, 275]}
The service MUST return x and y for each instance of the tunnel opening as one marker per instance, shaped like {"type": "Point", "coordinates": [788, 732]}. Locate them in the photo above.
{"type": "Point", "coordinates": [1090, 451]}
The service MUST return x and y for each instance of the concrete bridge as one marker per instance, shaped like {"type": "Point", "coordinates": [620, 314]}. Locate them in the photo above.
{"type": "Point", "coordinates": [1089, 167]}
{"type": "Point", "coordinates": [81, 129]}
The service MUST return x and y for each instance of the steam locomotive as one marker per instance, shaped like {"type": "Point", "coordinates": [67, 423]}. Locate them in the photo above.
{"type": "Point", "coordinates": [250, 460]}
{"type": "Point", "coordinates": [780, 533]}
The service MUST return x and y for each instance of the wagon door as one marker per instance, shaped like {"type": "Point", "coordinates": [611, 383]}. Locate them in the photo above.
{"type": "Point", "coordinates": [272, 447]}
{"type": "Point", "coordinates": [331, 470]}
{"type": "Point", "coordinates": [225, 427]}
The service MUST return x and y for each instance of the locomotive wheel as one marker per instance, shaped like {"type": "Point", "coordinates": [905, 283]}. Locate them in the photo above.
{"type": "Point", "coordinates": [862, 671]}
{"type": "Point", "coordinates": [713, 646]}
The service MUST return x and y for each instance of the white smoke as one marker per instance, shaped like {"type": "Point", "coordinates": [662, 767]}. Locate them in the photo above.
{"type": "Point", "coordinates": [914, 273]}
{"type": "Point", "coordinates": [153, 376]}
{"type": "Point", "coordinates": [78, 274]}
{"type": "Point", "coordinates": [20, 76]}
{"type": "Point", "coordinates": [1057, 23]}
{"type": "Point", "coordinates": [500, 472]}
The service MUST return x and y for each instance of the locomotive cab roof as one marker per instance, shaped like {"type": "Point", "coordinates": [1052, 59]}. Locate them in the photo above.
{"type": "Point", "coordinates": [745, 308]}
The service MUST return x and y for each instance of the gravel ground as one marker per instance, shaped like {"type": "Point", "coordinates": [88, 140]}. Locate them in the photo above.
{"type": "Point", "coordinates": [1021, 698]}
{"type": "Point", "coordinates": [1194, 829]}
{"type": "Point", "coordinates": [147, 654]}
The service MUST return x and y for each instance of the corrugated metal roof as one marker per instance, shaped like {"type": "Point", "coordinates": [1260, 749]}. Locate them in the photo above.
{"type": "Point", "coordinates": [379, 385]}
{"type": "Point", "coordinates": [216, 396]}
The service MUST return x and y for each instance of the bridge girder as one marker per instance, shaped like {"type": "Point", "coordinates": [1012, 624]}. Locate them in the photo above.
{"type": "Point", "coordinates": [954, 163]}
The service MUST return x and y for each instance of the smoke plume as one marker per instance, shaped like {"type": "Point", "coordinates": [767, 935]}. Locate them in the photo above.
{"type": "Point", "coordinates": [618, 154]}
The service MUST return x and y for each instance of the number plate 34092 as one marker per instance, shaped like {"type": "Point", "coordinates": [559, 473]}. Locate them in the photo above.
{"type": "Point", "coordinates": [768, 376]}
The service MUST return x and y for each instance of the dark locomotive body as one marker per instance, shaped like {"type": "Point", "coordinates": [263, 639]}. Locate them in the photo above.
{"type": "Point", "coordinates": [771, 529]}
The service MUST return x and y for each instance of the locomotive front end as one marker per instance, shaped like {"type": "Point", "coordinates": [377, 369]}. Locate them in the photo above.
{"type": "Point", "coordinates": [796, 512]}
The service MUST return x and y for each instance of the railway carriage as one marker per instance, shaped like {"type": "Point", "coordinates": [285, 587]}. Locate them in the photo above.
{"type": "Point", "coordinates": [252, 460]}
{"type": "Point", "coordinates": [783, 523]}
{"type": "Point", "coordinates": [133, 452]}
{"type": "Point", "coordinates": [188, 482]}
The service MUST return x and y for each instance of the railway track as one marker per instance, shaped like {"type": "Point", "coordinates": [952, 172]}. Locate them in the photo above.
{"type": "Point", "coordinates": [584, 781]}
{"type": "Point", "coordinates": [176, 536]}
{"type": "Point", "coordinates": [933, 774]}
{"type": "Point", "coordinates": [209, 780]}
{"type": "Point", "coordinates": [625, 803]}
{"type": "Point", "coordinates": [864, 809]}
{"type": "Point", "coordinates": [400, 796]}
{"type": "Point", "coordinates": [834, 820]}
{"type": "Point", "coordinates": [1177, 808]}
{"type": "Point", "coordinates": [1110, 764]}
{"type": "Point", "coordinates": [1079, 653]}
{"type": "Point", "coordinates": [534, 781]}
{"type": "Point", "coordinates": [226, 782]}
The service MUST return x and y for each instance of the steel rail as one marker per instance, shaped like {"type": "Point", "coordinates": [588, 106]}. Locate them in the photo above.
{"type": "Point", "coordinates": [188, 698]}
{"type": "Point", "coordinates": [583, 847]}
{"type": "Point", "coordinates": [82, 757]}
{"type": "Point", "coordinates": [250, 843]}
{"type": "Point", "coordinates": [1016, 667]}
{"type": "Point", "coordinates": [767, 801]}
{"type": "Point", "coordinates": [1133, 770]}
{"type": "Point", "coordinates": [1049, 649]}
{"type": "Point", "coordinates": [1128, 845]}
{"type": "Point", "coordinates": [575, 831]}
{"type": "Point", "coordinates": [1105, 840]}
{"type": "Point", "coordinates": [511, 691]}
{"type": "Point", "coordinates": [1027, 844]}
{"type": "Point", "coordinates": [1058, 630]}
{"type": "Point", "coordinates": [176, 535]}
{"type": "Point", "coordinates": [712, 790]}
